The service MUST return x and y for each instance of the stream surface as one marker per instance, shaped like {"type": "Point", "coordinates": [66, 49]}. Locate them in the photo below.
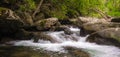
{"type": "Point", "coordinates": [73, 40]}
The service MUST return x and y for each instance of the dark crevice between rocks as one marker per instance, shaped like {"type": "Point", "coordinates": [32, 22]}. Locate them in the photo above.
{"type": "Point", "coordinates": [84, 32]}
{"type": "Point", "coordinates": [65, 22]}
{"type": "Point", "coordinates": [116, 20]}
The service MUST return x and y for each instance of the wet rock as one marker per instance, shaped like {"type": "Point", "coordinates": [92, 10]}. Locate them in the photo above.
{"type": "Point", "coordinates": [84, 32]}
{"type": "Point", "coordinates": [46, 24]}
{"type": "Point", "coordinates": [42, 36]}
{"type": "Point", "coordinates": [9, 27]}
{"type": "Point", "coordinates": [13, 51]}
{"type": "Point", "coordinates": [108, 36]}
{"type": "Point", "coordinates": [68, 31]}
{"type": "Point", "coordinates": [18, 35]}
{"type": "Point", "coordinates": [60, 28]}
{"type": "Point", "coordinates": [5, 40]}
{"type": "Point", "coordinates": [23, 35]}
{"type": "Point", "coordinates": [10, 23]}
{"type": "Point", "coordinates": [76, 52]}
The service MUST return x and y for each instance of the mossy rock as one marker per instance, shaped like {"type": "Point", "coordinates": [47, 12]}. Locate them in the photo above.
{"type": "Point", "coordinates": [46, 24]}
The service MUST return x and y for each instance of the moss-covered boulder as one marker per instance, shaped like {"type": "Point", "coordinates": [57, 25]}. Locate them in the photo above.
{"type": "Point", "coordinates": [46, 24]}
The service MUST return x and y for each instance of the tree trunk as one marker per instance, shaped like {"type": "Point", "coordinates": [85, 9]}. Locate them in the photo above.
{"type": "Point", "coordinates": [105, 16]}
{"type": "Point", "coordinates": [37, 9]}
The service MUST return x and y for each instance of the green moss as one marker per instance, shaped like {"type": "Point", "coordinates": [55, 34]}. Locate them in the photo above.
{"type": "Point", "coordinates": [42, 23]}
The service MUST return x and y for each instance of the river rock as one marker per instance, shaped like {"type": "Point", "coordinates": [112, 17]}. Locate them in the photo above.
{"type": "Point", "coordinates": [76, 52]}
{"type": "Point", "coordinates": [68, 31]}
{"type": "Point", "coordinates": [9, 22]}
{"type": "Point", "coordinates": [9, 27]}
{"type": "Point", "coordinates": [18, 51]}
{"type": "Point", "coordinates": [46, 24]}
{"type": "Point", "coordinates": [95, 24]}
{"type": "Point", "coordinates": [110, 36]}
{"type": "Point", "coordinates": [23, 35]}
{"type": "Point", "coordinates": [42, 36]}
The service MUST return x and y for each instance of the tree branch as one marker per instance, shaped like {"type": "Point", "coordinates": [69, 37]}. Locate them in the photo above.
{"type": "Point", "coordinates": [37, 9]}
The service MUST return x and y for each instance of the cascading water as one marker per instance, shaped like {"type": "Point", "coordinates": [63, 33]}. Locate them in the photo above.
{"type": "Point", "coordinates": [73, 40]}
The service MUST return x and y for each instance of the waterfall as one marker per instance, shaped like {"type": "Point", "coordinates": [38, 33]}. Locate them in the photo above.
{"type": "Point", "coordinates": [73, 40]}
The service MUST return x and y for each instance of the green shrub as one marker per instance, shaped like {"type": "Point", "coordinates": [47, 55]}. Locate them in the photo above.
{"type": "Point", "coordinates": [28, 5]}
{"type": "Point", "coordinates": [64, 9]}
{"type": "Point", "coordinates": [73, 8]}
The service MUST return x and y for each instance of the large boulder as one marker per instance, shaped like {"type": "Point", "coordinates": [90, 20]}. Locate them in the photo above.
{"type": "Point", "coordinates": [46, 24]}
{"type": "Point", "coordinates": [92, 24]}
{"type": "Point", "coordinates": [9, 27]}
{"type": "Point", "coordinates": [95, 24]}
{"type": "Point", "coordinates": [110, 36]}
{"type": "Point", "coordinates": [9, 21]}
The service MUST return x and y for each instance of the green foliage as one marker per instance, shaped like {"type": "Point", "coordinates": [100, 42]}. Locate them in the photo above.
{"type": "Point", "coordinates": [113, 7]}
{"type": "Point", "coordinates": [64, 9]}
{"type": "Point", "coordinates": [28, 5]}
{"type": "Point", "coordinates": [73, 8]}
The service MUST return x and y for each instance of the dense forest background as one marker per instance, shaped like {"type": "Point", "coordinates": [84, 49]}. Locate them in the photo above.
{"type": "Point", "coordinates": [64, 9]}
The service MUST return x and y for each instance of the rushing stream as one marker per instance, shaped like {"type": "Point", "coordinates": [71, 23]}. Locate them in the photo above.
{"type": "Point", "coordinates": [73, 40]}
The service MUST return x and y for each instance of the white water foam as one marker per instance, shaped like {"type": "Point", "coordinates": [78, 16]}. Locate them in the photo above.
{"type": "Point", "coordinates": [92, 48]}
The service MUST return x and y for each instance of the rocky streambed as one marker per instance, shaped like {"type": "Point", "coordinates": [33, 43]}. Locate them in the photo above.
{"type": "Point", "coordinates": [64, 45]}
{"type": "Point", "coordinates": [82, 37]}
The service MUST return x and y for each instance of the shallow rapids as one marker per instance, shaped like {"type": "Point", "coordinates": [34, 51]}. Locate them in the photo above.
{"type": "Point", "coordinates": [73, 40]}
